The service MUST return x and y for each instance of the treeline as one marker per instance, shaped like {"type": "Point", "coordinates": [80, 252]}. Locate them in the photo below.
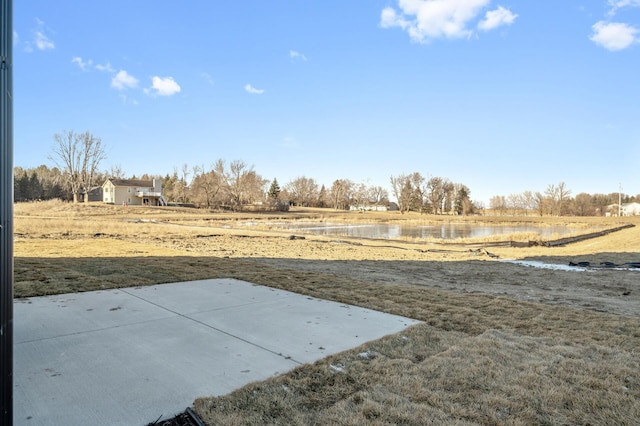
{"type": "Point", "coordinates": [40, 183]}
{"type": "Point", "coordinates": [44, 183]}
{"type": "Point", "coordinates": [435, 195]}
{"type": "Point", "coordinates": [237, 184]}
{"type": "Point", "coordinates": [218, 186]}
{"type": "Point", "coordinates": [77, 157]}
{"type": "Point", "coordinates": [556, 200]}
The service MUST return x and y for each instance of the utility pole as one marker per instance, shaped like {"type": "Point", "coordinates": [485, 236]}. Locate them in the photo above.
{"type": "Point", "coordinates": [620, 199]}
{"type": "Point", "coordinates": [6, 212]}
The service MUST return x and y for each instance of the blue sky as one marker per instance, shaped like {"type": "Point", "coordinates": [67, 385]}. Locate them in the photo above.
{"type": "Point", "coordinates": [500, 96]}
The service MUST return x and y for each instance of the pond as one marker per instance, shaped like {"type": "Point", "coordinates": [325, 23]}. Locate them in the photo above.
{"type": "Point", "coordinates": [445, 231]}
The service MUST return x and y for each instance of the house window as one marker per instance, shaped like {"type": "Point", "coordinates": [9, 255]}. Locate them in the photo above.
{"type": "Point", "coordinates": [128, 189]}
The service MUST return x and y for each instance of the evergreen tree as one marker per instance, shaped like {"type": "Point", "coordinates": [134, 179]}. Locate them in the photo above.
{"type": "Point", "coordinates": [20, 186]}
{"type": "Point", "coordinates": [322, 197]}
{"type": "Point", "coordinates": [463, 204]}
{"type": "Point", "coordinates": [169, 185]}
{"type": "Point", "coordinates": [35, 191]}
{"type": "Point", "coordinates": [274, 190]}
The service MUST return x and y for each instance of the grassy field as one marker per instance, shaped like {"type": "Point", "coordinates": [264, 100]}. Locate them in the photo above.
{"type": "Point", "coordinates": [499, 343]}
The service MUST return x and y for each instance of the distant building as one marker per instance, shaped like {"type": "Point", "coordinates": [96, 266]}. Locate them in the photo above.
{"type": "Point", "coordinates": [134, 192]}
{"type": "Point", "coordinates": [95, 194]}
{"type": "Point", "coordinates": [625, 209]}
{"type": "Point", "coordinates": [369, 208]}
{"type": "Point", "coordinates": [630, 209]}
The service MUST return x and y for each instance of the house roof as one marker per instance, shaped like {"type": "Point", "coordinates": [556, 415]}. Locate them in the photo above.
{"type": "Point", "coordinates": [131, 182]}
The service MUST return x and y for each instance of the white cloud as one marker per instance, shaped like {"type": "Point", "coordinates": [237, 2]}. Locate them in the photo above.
{"type": "Point", "coordinates": [297, 55]}
{"type": "Point", "coordinates": [621, 4]}
{"type": "Point", "coordinates": [250, 89]}
{"type": "Point", "coordinates": [15, 38]}
{"type": "Point", "coordinates": [164, 86]}
{"type": "Point", "coordinates": [389, 19]}
{"type": "Point", "coordinates": [426, 20]}
{"type": "Point", "coordinates": [81, 63]}
{"type": "Point", "coordinates": [613, 36]}
{"type": "Point", "coordinates": [43, 42]}
{"type": "Point", "coordinates": [495, 18]}
{"type": "Point", "coordinates": [123, 80]}
{"type": "Point", "coordinates": [106, 67]}
{"type": "Point", "coordinates": [40, 40]}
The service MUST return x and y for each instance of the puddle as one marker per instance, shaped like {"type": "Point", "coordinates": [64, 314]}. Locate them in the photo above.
{"type": "Point", "coordinates": [542, 265]}
{"type": "Point", "coordinates": [559, 267]}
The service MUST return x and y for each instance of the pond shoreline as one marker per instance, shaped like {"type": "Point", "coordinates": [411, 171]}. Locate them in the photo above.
{"type": "Point", "coordinates": [446, 233]}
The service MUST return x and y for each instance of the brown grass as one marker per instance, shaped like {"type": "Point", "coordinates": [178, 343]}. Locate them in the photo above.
{"type": "Point", "coordinates": [478, 358]}
{"type": "Point", "coordinates": [430, 376]}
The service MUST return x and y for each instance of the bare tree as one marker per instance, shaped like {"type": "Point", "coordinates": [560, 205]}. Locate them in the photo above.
{"type": "Point", "coordinates": [418, 192]}
{"type": "Point", "coordinates": [177, 185]}
{"type": "Point", "coordinates": [583, 205]}
{"type": "Point", "coordinates": [78, 155]}
{"type": "Point", "coordinates": [341, 193]}
{"type": "Point", "coordinates": [551, 195]}
{"type": "Point", "coordinates": [557, 197]}
{"type": "Point", "coordinates": [242, 184]}
{"type": "Point", "coordinates": [498, 203]}
{"type": "Point", "coordinates": [539, 201]}
{"type": "Point", "coordinates": [437, 188]}
{"type": "Point", "coordinates": [208, 184]}
{"type": "Point", "coordinates": [564, 196]}
{"type": "Point", "coordinates": [360, 195]}
{"type": "Point", "coordinates": [600, 203]}
{"type": "Point", "coordinates": [529, 200]}
{"type": "Point", "coordinates": [403, 191]}
{"type": "Point", "coordinates": [234, 181]}
{"type": "Point", "coordinates": [254, 187]}
{"type": "Point", "coordinates": [514, 202]}
{"type": "Point", "coordinates": [449, 195]}
{"type": "Point", "coordinates": [116, 172]}
{"type": "Point", "coordinates": [184, 183]}
{"type": "Point", "coordinates": [303, 191]}
{"type": "Point", "coordinates": [378, 195]}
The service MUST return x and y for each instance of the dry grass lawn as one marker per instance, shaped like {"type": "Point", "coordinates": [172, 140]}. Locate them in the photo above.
{"type": "Point", "coordinates": [500, 344]}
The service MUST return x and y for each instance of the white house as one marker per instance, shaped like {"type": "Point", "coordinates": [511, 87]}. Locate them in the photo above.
{"type": "Point", "coordinates": [133, 192]}
{"type": "Point", "coordinates": [369, 208]}
{"type": "Point", "coordinates": [630, 209]}
{"type": "Point", "coordinates": [625, 209]}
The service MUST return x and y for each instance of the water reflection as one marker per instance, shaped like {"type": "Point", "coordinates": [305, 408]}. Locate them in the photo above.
{"type": "Point", "coordinates": [448, 231]}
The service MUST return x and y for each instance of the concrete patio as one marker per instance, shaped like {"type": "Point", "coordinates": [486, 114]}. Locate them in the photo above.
{"type": "Point", "coordinates": [133, 355]}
